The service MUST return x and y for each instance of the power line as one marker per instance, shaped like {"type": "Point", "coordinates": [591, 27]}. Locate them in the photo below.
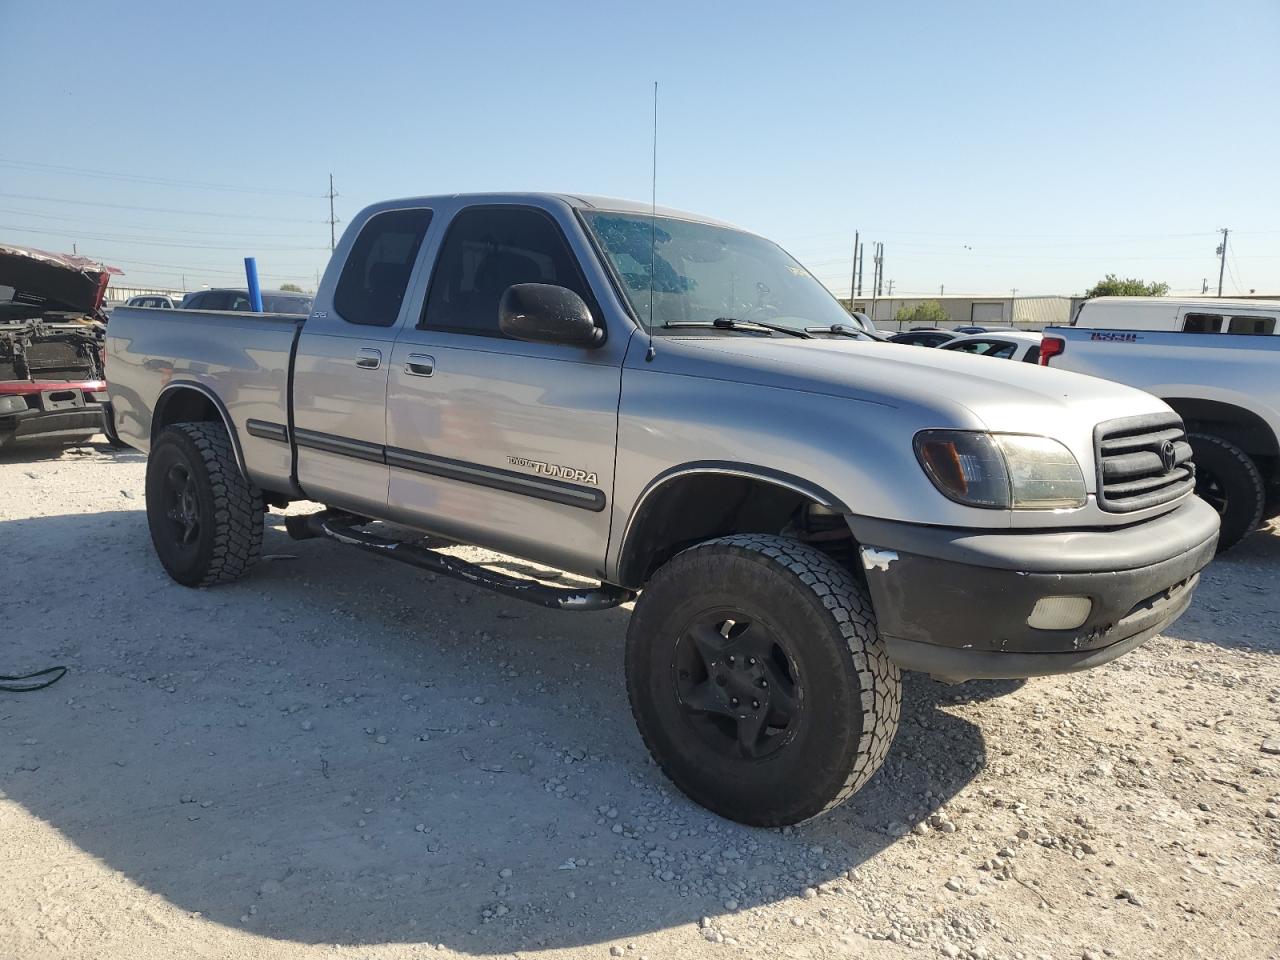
{"type": "Point", "coordinates": [135, 178]}
{"type": "Point", "coordinates": [1019, 236]}
{"type": "Point", "coordinates": [837, 252]}
{"type": "Point", "coordinates": [185, 213]}
{"type": "Point", "coordinates": [201, 269]}
{"type": "Point", "coordinates": [138, 226]}
{"type": "Point", "coordinates": [150, 241]}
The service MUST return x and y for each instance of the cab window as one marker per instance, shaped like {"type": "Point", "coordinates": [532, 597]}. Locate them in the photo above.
{"type": "Point", "coordinates": [375, 276]}
{"type": "Point", "coordinates": [1201, 323]}
{"type": "Point", "coordinates": [487, 250]}
{"type": "Point", "coordinates": [1256, 324]}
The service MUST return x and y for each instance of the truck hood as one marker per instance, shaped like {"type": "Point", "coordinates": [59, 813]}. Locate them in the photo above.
{"type": "Point", "coordinates": [942, 388]}
{"type": "Point", "coordinates": [54, 281]}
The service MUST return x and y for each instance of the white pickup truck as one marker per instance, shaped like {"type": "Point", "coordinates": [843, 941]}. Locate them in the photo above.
{"type": "Point", "coordinates": [1226, 388]}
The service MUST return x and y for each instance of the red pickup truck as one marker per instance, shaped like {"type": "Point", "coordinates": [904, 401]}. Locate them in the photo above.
{"type": "Point", "coordinates": [52, 384]}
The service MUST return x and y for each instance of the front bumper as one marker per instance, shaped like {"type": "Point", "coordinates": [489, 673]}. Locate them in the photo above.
{"type": "Point", "coordinates": [955, 603]}
{"type": "Point", "coordinates": [60, 413]}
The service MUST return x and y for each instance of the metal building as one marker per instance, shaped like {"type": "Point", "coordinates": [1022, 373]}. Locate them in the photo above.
{"type": "Point", "coordinates": [997, 310]}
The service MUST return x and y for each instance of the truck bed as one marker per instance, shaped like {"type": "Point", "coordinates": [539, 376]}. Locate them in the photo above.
{"type": "Point", "coordinates": [240, 359]}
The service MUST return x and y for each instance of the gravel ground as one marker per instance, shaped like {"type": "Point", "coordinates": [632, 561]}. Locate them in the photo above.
{"type": "Point", "coordinates": [344, 757]}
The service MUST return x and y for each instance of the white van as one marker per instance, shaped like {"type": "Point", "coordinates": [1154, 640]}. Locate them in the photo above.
{"type": "Point", "coordinates": [1257, 317]}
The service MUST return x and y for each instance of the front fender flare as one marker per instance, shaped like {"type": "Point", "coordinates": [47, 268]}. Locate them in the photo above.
{"type": "Point", "coordinates": [778, 478]}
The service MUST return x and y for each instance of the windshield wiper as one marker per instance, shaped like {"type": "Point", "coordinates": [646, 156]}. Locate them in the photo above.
{"type": "Point", "coordinates": [732, 323]}
{"type": "Point", "coordinates": [843, 330]}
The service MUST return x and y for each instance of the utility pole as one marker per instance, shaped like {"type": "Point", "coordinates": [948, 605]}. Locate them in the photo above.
{"type": "Point", "coordinates": [1204, 286]}
{"type": "Point", "coordinates": [862, 256]}
{"type": "Point", "coordinates": [942, 288]}
{"type": "Point", "coordinates": [332, 219]}
{"type": "Point", "coordinates": [891, 287]}
{"type": "Point", "coordinates": [853, 276]}
{"type": "Point", "coordinates": [875, 279]}
{"type": "Point", "coordinates": [1222, 262]}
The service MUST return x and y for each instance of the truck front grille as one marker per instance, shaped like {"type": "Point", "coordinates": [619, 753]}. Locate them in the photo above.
{"type": "Point", "coordinates": [1142, 462]}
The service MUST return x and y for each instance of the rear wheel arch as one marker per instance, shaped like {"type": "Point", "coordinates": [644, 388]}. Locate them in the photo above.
{"type": "Point", "coordinates": [697, 502]}
{"type": "Point", "coordinates": [194, 403]}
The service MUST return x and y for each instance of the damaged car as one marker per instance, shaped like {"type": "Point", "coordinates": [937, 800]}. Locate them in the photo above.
{"type": "Point", "coordinates": [52, 328]}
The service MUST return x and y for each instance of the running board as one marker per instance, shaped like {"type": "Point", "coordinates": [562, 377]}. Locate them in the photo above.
{"type": "Point", "coordinates": [342, 527]}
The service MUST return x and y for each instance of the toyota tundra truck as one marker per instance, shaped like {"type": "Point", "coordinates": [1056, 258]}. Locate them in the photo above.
{"type": "Point", "coordinates": [677, 412]}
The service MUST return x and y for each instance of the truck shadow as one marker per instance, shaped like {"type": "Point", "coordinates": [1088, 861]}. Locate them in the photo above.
{"type": "Point", "coordinates": [1237, 604]}
{"type": "Point", "coordinates": [339, 749]}
{"type": "Point", "coordinates": [95, 447]}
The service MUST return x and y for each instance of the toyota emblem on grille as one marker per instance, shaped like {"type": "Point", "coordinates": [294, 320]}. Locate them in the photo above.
{"type": "Point", "coordinates": [1168, 455]}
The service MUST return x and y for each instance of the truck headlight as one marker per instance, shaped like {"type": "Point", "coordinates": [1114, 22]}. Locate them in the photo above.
{"type": "Point", "coordinates": [1001, 471]}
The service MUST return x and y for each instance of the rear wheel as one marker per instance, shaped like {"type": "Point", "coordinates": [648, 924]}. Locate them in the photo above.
{"type": "Point", "coordinates": [205, 518]}
{"type": "Point", "coordinates": [1228, 480]}
{"type": "Point", "coordinates": [758, 679]}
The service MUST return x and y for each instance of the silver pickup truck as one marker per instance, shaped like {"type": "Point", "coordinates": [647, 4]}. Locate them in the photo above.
{"type": "Point", "coordinates": [672, 407]}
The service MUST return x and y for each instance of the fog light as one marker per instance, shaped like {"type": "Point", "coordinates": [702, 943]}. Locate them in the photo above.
{"type": "Point", "coordinates": [1060, 613]}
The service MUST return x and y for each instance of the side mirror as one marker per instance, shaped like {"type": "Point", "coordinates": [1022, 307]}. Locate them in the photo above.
{"type": "Point", "coordinates": [546, 313]}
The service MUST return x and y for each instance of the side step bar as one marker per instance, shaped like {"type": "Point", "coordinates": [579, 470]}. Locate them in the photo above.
{"type": "Point", "coordinates": [342, 527]}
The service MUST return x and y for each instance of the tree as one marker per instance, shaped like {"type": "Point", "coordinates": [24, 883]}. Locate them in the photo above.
{"type": "Point", "coordinates": [291, 287]}
{"type": "Point", "coordinates": [929, 312]}
{"type": "Point", "coordinates": [1113, 286]}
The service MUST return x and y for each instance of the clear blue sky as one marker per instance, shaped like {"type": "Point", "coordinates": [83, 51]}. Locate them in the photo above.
{"type": "Point", "coordinates": [989, 146]}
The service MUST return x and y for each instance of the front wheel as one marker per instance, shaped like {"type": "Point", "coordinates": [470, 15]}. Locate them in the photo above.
{"type": "Point", "coordinates": [1229, 480]}
{"type": "Point", "coordinates": [758, 679]}
{"type": "Point", "coordinates": [205, 517]}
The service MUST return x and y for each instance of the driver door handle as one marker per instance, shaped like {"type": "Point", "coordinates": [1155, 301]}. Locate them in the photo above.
{"type": "Point", "coordinates": [368, 359]}
{"type": "Point", "coordinates": [420, 365]}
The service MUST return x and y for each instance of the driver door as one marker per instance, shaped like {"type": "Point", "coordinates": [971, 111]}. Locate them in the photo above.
{"type": "Point", "coordinates": [495, 441]}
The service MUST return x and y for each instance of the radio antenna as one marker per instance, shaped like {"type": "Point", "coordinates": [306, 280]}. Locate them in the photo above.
{"type": "Point", "coordinates": [653, 218]}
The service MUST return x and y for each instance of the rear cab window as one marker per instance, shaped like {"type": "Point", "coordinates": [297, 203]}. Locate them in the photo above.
{"type": "Point", "coordinates": [1201, 323]}
{"type": "Point", "coordinates": [1256, 324]}
{"type": "Point", "coordinates": [376, 274]}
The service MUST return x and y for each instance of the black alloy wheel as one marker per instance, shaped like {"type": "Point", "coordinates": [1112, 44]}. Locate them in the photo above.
{"type": "Point", "coordinates": [737, 684]}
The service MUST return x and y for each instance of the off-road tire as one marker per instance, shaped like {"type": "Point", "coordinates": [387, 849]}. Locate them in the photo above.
{"type": "Point", "coordinates": [850, 691]}
{"type": "Point", "coordinates": [1239, 480]}
{"type": "Point", "coordinates": [109, 430]}
{"type": "Point", "coordinates": [228, 541]}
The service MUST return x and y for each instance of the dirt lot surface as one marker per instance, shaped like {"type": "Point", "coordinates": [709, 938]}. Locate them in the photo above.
{"type": "Point", "coordinates": [343, 757]}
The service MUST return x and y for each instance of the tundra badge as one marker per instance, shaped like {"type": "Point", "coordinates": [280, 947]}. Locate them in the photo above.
{"type": "Point", "coordinates": [555, 470]}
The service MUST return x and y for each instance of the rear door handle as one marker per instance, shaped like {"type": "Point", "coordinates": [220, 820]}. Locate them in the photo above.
{"type": "Point", "coordinates": [420, 365]}
{"type": "Point", "coordinates": [368, 358]}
